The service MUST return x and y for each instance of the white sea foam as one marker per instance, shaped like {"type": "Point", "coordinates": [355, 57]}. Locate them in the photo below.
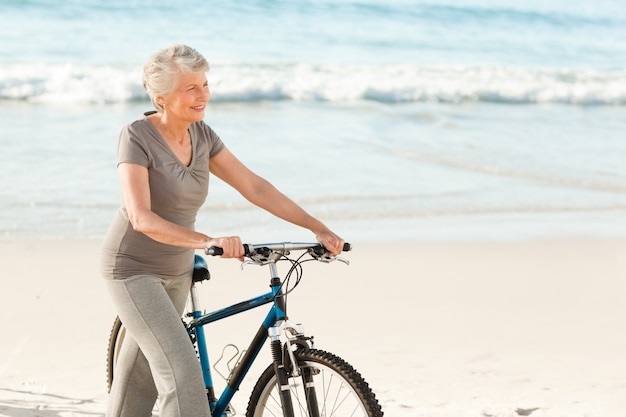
{"type": "Point", "coordinates": [69, 83]}
{"type": "Point", "coordinates": [332, 83]}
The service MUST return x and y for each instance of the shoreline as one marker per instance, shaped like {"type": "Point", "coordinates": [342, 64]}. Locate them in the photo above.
{"type": "Point", "coordinates": [514, 226]}
{"type": "Point", "coordinates": [455, 328]}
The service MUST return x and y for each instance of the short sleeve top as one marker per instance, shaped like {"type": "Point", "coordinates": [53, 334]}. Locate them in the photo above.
{"type": "Point", "coordinates": [177, 192]}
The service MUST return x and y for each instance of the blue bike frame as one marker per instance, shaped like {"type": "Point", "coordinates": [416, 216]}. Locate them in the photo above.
{"type": "Point", "coordinates": [276, 313]}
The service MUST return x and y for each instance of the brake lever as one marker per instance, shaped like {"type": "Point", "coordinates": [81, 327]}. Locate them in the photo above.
{"type": "Point", "coordinates": [250, 262]}
{"type": "Point", "coordinates": [326, 257]}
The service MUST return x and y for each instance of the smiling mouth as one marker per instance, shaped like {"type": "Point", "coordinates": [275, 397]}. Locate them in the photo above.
{"type": "Point", "coordinates": [199, 108]}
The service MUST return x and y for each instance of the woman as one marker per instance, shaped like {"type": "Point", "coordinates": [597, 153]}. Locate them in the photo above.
{"type": "Point", "coordinates": [164, 161]}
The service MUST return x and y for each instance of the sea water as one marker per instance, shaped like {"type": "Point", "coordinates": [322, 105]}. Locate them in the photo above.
{"type": "Point", "coordinates": [386, 119]}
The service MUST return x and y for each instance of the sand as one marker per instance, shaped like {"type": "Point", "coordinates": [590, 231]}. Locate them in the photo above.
{"type": "Point", "coordinates": [455, 329]}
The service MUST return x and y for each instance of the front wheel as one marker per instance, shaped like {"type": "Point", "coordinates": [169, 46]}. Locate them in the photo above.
{"type": "Point", "coordinates": [337, 390]}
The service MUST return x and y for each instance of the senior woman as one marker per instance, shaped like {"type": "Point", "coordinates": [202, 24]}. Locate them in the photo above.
{"type": "Point", "coordinates": [164, 161]}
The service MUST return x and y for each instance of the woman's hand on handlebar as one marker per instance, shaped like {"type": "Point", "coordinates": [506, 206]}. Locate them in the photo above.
{"type": "Point", "coordinates": [231, 245]}
{"type": "Point", "coordinates": [332, 242]}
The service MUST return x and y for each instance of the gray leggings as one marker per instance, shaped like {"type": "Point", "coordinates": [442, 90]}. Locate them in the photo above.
{"type": "Point", "coordinates": [157, 357]}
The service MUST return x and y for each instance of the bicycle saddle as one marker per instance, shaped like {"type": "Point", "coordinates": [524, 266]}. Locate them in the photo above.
{"type": "Point", "coordinates": [200, 269]}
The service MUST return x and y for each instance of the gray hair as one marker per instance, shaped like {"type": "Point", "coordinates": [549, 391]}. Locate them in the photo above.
{"type": "Point", "coordinates": [164, 66]}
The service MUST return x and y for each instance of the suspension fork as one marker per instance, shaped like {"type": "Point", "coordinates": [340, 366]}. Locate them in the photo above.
{"type": "Point", "coordinates": [282, 379]}
{"type": "Point", "coordinates": [286, 366]}
{"type": "Point", "coordinates": [282, 369]}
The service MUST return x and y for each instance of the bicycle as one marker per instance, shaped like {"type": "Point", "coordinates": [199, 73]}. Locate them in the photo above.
{"type": "Point", "coordinates": [301, 380]}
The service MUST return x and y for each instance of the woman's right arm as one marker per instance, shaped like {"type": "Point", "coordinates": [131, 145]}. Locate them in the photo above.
{"type": "Point", "coordinates": [136, 193]}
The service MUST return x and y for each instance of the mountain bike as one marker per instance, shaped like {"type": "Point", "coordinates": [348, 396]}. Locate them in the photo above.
{"type": "Point", "coordinates": [301, 380]}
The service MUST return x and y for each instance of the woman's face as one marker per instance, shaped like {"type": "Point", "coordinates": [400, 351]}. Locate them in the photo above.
{"type": "Point", "coordinates": [188, 100]}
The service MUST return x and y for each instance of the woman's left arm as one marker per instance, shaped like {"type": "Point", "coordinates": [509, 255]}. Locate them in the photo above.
{"type": "Point", "coordinates": [262, 193]}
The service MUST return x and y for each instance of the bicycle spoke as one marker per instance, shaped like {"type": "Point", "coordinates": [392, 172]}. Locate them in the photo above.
{"type": "Point", "coordinates": [338, 400]}
{"type": "Point", "coordinates": [295, 393]}
{"type": "Point", "coordinates": [276, 406]}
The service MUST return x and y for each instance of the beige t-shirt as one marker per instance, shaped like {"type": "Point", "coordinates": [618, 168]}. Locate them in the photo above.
{"type": "Point", "coordinates": [176, 192]}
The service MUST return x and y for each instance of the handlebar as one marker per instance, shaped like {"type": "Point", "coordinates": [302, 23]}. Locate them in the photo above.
{"type": "Point", "coordinates": [281, 247]}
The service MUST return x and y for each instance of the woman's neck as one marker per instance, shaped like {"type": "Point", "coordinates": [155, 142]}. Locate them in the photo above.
{"type": "Point", "coordinates": [170, 129]}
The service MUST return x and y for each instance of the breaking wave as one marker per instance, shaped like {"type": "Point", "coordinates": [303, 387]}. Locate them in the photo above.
{"type": "Point", "coordinates": [327, 83]}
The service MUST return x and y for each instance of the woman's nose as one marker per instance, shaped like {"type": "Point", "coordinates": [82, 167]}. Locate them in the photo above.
{"type": "Point", "coordinates": [206, 94]}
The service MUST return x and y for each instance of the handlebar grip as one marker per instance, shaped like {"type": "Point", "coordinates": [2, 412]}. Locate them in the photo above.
{"type": "Point", "coordinates": [321, 250]}
{"type": "Point", "coordinates": [215, 251]}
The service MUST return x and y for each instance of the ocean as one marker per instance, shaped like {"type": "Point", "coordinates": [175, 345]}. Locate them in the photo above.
{"type": "Point", "coordinates": [387, 119]}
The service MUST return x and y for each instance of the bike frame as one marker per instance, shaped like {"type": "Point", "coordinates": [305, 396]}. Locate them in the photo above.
{"type": "Point", "coordinates": [276, 313]}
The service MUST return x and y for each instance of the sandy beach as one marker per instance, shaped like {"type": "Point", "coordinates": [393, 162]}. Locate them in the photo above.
{"type": "Point", "coordinates": [456, 329]}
